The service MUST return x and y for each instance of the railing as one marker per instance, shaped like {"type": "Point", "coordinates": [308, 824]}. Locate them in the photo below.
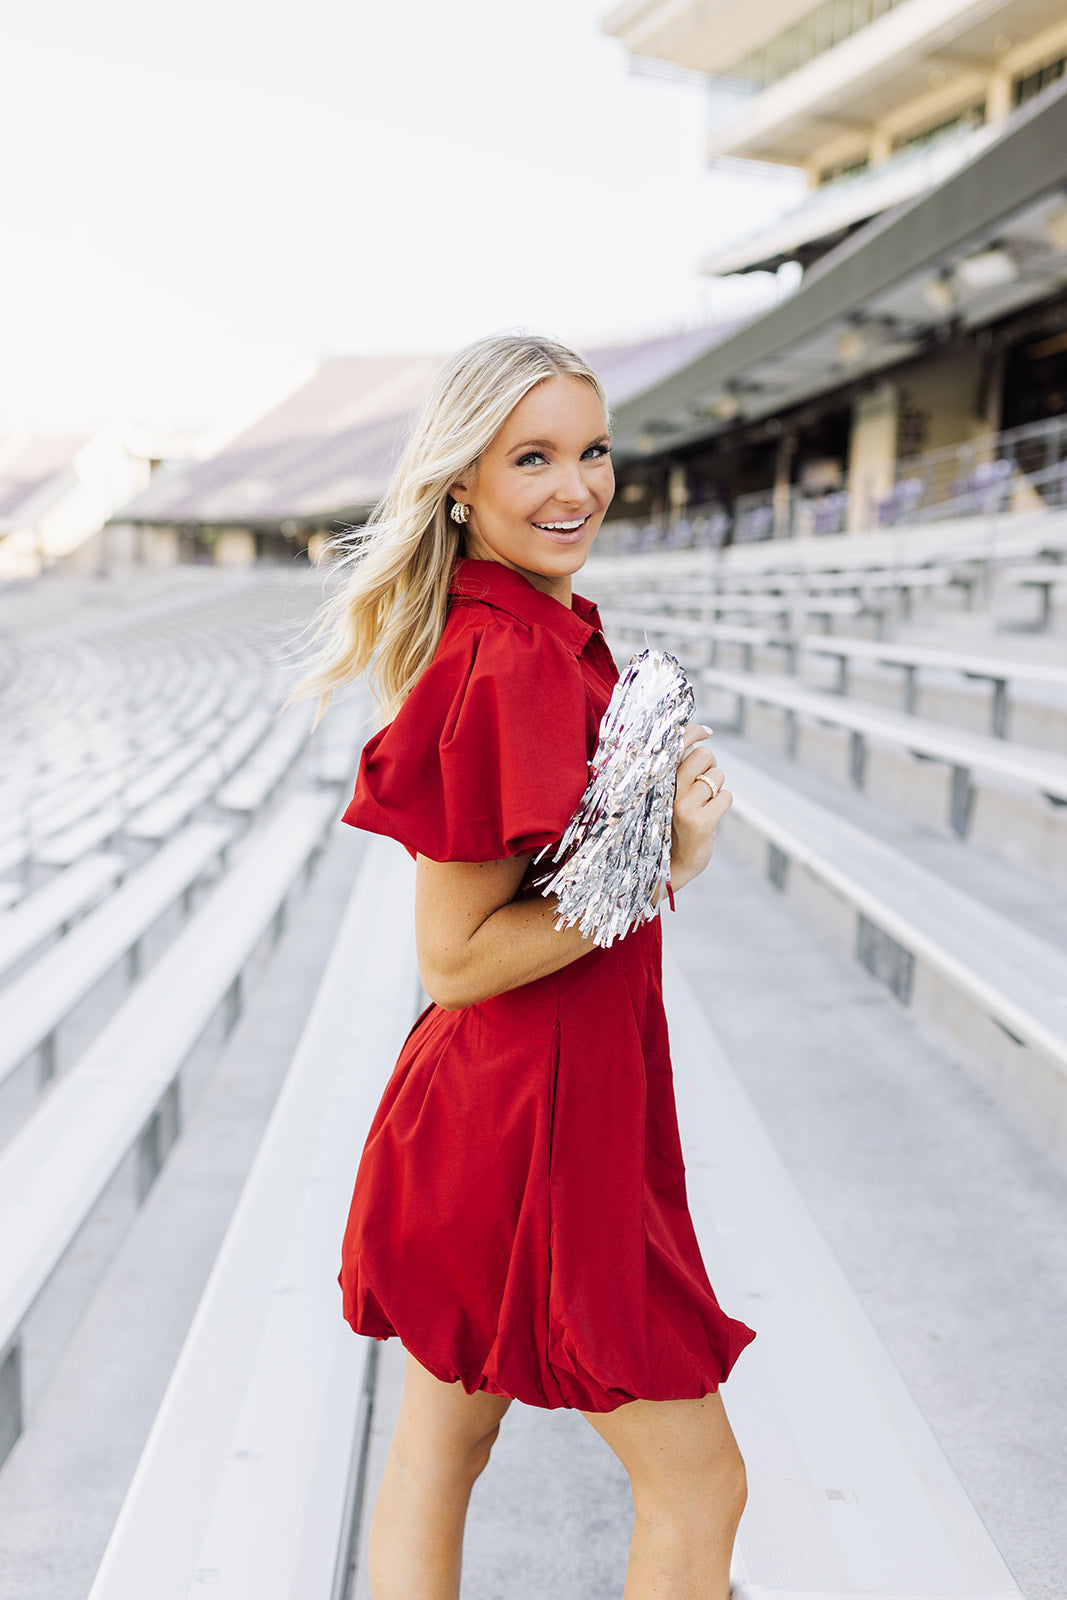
{"type": "Point", "coordinates": [982, 475]}
{"type": "Point", "coordinates": [698, 528]}
{"type": "Point", "coordinates": [1022, 468]}
{"type": "Point", "coordinates": [794, 511]}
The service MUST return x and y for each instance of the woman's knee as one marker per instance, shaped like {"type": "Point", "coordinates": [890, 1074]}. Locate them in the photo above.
{"type": "Point", "coordinates": [698, 1508]}
{"type": "Point", "coordinates": [680, 1455]}
{"type": "Point", "coordinates": [481, 1450]}
{"type": "Point", "coordinates": [443, 1433]}
{"type": "Point", "coordinates": [441, 1454]}
{"type": "Point", "coordinates": [734, 1482]}
{"type": "Point", "coordinates": [699, 1480]}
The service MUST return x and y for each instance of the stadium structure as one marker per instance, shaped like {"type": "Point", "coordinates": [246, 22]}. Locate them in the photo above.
{"type": "Point", "coordinates": [923, 358]}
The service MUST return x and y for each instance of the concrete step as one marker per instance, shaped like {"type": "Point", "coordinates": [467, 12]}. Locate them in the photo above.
{"type": "Point", "coordinates": [951, 1227]}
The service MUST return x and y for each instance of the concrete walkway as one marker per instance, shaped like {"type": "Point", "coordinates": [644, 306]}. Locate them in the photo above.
{"type": "Point", "coordinates": [951, 1227]}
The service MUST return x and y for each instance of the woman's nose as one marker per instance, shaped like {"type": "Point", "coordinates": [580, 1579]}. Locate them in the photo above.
{"type": "Point", "coordinates": [571, 487]}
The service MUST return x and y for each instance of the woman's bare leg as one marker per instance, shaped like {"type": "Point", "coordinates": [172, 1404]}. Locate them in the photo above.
{"type": "Point", "coordinates": [688, 1483]}
{"type": "Point", "coordinates": [442, 1442]}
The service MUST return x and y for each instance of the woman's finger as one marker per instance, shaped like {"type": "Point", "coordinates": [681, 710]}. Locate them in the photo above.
{"type": "Point", "coordinates": [696, 733]}
{"type": "Point", "coordinates": [711, 779]}
{"type": "Point", "coordinates": [701, 758]}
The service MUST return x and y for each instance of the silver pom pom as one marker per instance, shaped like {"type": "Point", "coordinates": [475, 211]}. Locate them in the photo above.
{"type": "Point", "coordinates": [617, 847]}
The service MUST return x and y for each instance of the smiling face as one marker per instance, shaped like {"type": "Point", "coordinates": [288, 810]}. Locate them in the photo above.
{"type": "Point", "coordinates": [540, 490]}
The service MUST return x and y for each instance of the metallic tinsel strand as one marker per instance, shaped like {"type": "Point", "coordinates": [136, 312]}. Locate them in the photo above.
{"type": "Point", "coordinates": [617, 847]}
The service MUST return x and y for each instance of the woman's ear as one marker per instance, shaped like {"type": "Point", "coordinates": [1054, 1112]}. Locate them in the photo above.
{"type": "Point", "coordinates": [461, 489]}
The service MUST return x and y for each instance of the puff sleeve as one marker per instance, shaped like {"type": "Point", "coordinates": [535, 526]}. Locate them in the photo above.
{"type": "Point", "coordinates": [488, 756]}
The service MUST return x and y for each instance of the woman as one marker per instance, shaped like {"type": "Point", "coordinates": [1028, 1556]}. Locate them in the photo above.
{"type": "Point", "coordinates": [519, 1217]}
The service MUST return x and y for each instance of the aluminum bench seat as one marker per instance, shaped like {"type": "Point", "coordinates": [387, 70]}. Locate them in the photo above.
{"type": "Point", "coordinates": [999, 671]}
{"type": "Point", "coordinates": [341, 737]}
{"type": "Point", "coordinates": [173, 766]}
{"type": "Point", "coordinates": [1048, 579]}
{"type": "Point", "coordinates": [51, 909]}
{"type": "Point", "coordinates": [909, 923]}
{"type": "Point", "coordinates": [249, 1480]}
{"type": "Point", "coordinates": [965, 753]}
{"type": "Point", "coordinates": [161, 817]}
{"type": "Point", "coordinates": [34, 1004]}
{"type": "Point", "coordinates": [122, 1094]}
{"type": "Point", "coordinates": [252, 787]}
{"type": "Point", "coordinates": [97, 831]}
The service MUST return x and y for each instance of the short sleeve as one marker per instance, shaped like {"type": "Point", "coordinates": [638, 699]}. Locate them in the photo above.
{"type": "Point", "coordinates": [488, 756]}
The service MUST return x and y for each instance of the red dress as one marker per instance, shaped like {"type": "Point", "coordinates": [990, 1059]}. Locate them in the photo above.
{"type": "Point", "coordinates": [519, 1217]}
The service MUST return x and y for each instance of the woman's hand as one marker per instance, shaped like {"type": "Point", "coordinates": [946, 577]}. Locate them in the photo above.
{"type": "Point", "coordinates": [697, 809]}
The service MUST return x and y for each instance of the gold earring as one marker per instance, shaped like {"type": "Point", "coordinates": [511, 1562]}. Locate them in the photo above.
{"type": "Point", "coordinates": [460, 512]}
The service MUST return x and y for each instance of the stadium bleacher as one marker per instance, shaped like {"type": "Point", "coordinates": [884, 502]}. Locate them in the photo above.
{"type": "Point", "coordinates": [147, 745]}
{"type": "Point", "coordinates": [108, 722]}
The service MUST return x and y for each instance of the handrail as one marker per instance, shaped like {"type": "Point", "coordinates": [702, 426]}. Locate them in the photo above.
{"type": "Point", "coordinates": [979, 475]}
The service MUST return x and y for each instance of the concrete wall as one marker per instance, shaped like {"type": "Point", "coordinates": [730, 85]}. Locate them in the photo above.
{"type": "Point", "coordinates": [946, 392]}
{"type": "Point", "coordinates": [872, 453]}
{"type": "Point", "coordinates": [236, 547]}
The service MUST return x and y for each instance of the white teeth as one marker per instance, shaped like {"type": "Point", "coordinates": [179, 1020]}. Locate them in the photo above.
{"type": "Point", "coordinates": [565, 527]}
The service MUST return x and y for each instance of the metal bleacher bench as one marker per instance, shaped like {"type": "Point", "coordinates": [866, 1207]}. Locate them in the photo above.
{"type": "Point", "coordinates": [52, 909]}
{"type": "Point", "coordinates": [94, 812]}
{"type": "Point", "coordinates": [817, 580]}
{"type": "Point", "coordinates": [850, 1493]}
{"type": "Point", "coordinates": [1047, 578]}
{"type": "Point", "coordinates": [33, 1005]}
{"type": "Point", "coordinates": [264, 771]}
{"type": "Point", "coordinates": [250, 1482]}
{"type": "Point", "coordinates": [160, 817]}
{"type": "Point", "coordinates": [1000, 671]}
{"type": "Point", "coordinates": [909, 922]}
{"type": "Point", "coordinates": [965, 753]}
{"type": "Point", "coordinates": [996, 670]}
{"type": "Point", "coordinates": [121, 1095]}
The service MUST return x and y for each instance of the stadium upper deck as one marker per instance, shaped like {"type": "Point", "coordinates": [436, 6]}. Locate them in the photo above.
{"type": "Point", "coordinates": [931, 315]}
{"type": "Point", "coordinates": [876, 100]}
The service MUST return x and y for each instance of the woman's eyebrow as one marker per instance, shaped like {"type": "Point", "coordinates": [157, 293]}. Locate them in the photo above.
{"type": "Point", "coordinates": [550, 444]}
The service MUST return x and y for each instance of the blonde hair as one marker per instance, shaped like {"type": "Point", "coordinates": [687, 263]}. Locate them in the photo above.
{"type": "Point", "coordinates": [385, 620]}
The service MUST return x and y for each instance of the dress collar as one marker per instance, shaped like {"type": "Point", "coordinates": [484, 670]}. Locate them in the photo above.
{"type": "Point", "coordinates": [506, 590]}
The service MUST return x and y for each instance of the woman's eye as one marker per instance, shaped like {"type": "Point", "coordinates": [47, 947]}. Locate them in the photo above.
{"type": "Point", "coordinates": [534, 457]}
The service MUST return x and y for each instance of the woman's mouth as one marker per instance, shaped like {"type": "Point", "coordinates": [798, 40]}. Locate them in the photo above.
{"type": "Point", "coordinates": [563, 532]}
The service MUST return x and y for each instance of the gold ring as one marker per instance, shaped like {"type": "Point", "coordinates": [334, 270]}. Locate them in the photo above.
{"type": "Point", "coordinates": [702, 777]}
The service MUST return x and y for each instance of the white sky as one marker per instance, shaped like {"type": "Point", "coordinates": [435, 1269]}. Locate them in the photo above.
{"type": "Point", "coordinates": [197, 198]}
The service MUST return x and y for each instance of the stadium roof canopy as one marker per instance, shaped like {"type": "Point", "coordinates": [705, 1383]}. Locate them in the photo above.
{"type": "Point", "coordinates": [36, 470]}
{"type": "Point", "coordinates": [989, 240]}
{"type": "Point", "coordinates": [323, 453]}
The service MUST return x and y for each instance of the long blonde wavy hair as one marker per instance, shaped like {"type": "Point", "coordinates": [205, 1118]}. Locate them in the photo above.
{"type": "Point", "coordinates": [386, 614]}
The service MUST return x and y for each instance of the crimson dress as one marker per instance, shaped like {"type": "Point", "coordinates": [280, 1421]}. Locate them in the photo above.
{"type": "Point", "coordinates": [519, 1217]}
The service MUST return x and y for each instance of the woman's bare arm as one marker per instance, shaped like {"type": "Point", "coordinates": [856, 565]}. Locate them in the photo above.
{"type": "Point", "coordinates": [476, 940]}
